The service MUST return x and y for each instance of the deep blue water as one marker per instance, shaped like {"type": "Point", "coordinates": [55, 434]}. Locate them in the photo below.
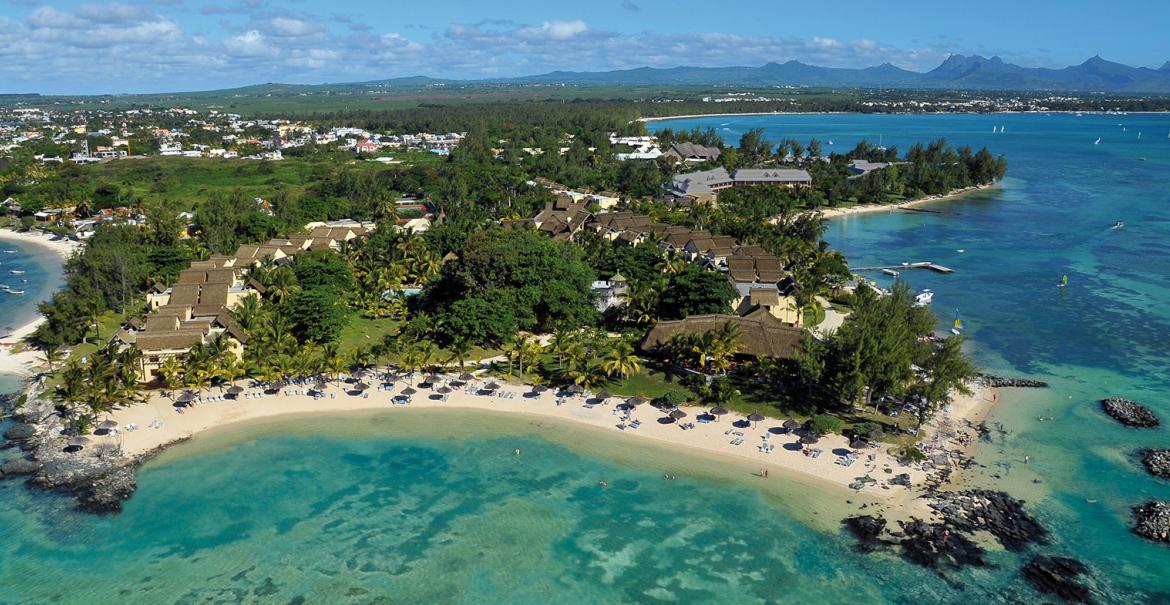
{"type": "Point", "coordinates": [327, 514]}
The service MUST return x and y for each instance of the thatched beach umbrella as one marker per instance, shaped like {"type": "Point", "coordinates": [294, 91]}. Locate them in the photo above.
{"type": "Point", "coordinates": [361, 386]}
{"type": "Point", "coordinates": [78, 442]}
{"type": "Point", "coordinates": [603, 396]}
{"type": "Point", "coordinates": [859, 444]}
{"type": "Point", "coordinates": [635, 401]}
{"type": "Point", "coordinates": [434, 379]}
{"type": "Point", "coordinates": [575, 389]}
{"type": "Point", "coordinates": [464, 377]}
{"type": "Point", "coordinates": [491, 386]}
{"type": "Point", "coordinates": [677, 414]}
{"type": "Point", "coordinates": [539, 388]}
{"type": "Point", "coordinates": [719, 411]}
{"type": "Point", "coordinates": [408, 391]}
{"type": "Point", "coordinates": [108, 424]}
{"type": "Point", "coordinates": [755, 417]}
{"type": "Point", "coordinates": [792, 425]}
{"type": "Point", "coordinates": [235, 391]}
{"type": "Point", "coordinates": [443, 390]}
{"type": "Point", "coordinates": [809, 439]}
{"type": "Point", "coordinates": [876, 434]}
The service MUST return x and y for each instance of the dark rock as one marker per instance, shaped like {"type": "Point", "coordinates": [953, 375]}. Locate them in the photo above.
{"type": "Point", "coordinates": [867, 529]}
{"type": "Point", "coordinates": [991, 380]}
{"type": "Point", "coordinates": [1157, 462]}
{"type": "Point", "coordinates": [19, 466]}
{"type": "Point", "coordinates": [20, 432]}
{"type": "Point", "coordinates": [106, 492]}
{"type": "Point", "coordinates": [1130, 413]}
{"type": "Point", "coordinates": [1153, 520]}
{"type": "Point", "coordinates": [994, 512]}
{"type": "Point", "coordinates": [938, 546]}
{"type": "Point", "coordinates": [1059, 576]}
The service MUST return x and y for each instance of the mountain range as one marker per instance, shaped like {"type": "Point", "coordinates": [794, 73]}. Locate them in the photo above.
{"type": "Point", "coordinates": [957, 72]}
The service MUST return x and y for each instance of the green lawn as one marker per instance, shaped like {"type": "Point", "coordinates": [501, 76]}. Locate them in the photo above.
{"type": "Point", "coordinates": [364, 332]}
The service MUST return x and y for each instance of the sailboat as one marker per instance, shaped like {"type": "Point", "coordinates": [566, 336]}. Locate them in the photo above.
{"type": "Point", "coordinates": [1063, 281]}
{"type": "Point", "coordinates": [958, 327]}
{"type": "Point", "coordinates": [1098, 141]}
{"type": "Point", "coordinates": [1139, 135]}
{"type": "Point", "coordinates": [880, 147]}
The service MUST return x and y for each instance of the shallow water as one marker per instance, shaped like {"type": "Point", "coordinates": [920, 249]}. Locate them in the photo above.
{"type": "Point", "coordinates": [409, 511]}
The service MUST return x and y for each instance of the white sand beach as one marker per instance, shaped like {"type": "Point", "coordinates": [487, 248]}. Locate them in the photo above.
{"type": "Point", "coordinates": [870, 208]}
{"type": "Point", "coordinates": [24, 362]}
{"type": "Point", "coordinates": [158, 423]}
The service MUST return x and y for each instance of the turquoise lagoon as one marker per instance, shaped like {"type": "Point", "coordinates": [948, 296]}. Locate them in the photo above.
{"type": "Point", "coordinates": [412, 508]}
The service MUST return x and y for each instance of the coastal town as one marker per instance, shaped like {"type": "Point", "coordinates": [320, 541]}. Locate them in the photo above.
{"type": "Point", "coordinates": [600, 273]}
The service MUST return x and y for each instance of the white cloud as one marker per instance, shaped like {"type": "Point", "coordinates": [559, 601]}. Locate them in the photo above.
{"type": "Point", "coordinates": [248, 44]}
{"type": "Point", "coordinates": [294, 28]}
{"type": "Point", "coordinates": [554, 30]}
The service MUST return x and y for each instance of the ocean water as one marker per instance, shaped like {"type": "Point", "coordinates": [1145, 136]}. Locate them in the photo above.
{"type": "Point", "coordinates": [414, 508]}
{"type": "Point", "coordinates": [42, 276]}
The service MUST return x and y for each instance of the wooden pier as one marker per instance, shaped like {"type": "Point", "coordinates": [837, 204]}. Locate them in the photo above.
{"type": "Point", "coordinates": [920, 265]}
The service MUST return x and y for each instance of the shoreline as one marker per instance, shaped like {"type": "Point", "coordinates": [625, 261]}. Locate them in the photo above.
{"type": "Point", "coordinates": [159, 425]}
{"type": "Point", "coordinates": [831, 213]}
{"type": "Point", "coordinates": [891, 113]}
{"type": "Point", "coordinates": [22, 363]}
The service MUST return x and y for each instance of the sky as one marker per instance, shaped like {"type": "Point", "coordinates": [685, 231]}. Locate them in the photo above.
{"type": "Point", "coordinates": [94, 46]}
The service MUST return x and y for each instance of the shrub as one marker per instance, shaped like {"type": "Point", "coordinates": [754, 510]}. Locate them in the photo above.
{"type": "Point", "coordinates": [823, 424]}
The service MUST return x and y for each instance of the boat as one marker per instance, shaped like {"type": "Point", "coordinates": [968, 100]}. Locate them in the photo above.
{"type": "Point", "coordinates": [957, 328]}
{"type": "Point", "coordinates": [1063, 281]}
{"type": "Point", "coordinates": [10, 291]}
{"type": "Point", "coordinates": [1142, 159]}
{"type": "Point", "coordinates": [14, 251]}
{"type": "Point", "coordinates": [1098, 141]}
{"type": "Point", "coordinates": [892, 272]}
{"type": "Point", "coordinates": [1118, 225]}
{"type": "Point", "coordinates": [924, 298]}
{"type": "Point", "coordinates": [880, 146]}
{"type": "Point", "coordinates": [17, 272]}
{"type": "Point", "coordinates": [831, 140]}
{"type": "Point", "coordinates": [961, 250]}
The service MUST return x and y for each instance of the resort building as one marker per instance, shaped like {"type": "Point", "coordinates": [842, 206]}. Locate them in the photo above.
{"type": "Point", "coordinates": [704, 186]}
{"type": "Point", "coordinates": [692, 152]}
{"type": "Point", "coordinates": [760, 333]}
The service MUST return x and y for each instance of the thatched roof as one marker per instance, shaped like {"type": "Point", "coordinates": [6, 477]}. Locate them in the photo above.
{"type": "Point", "coordinates": [760, 334]}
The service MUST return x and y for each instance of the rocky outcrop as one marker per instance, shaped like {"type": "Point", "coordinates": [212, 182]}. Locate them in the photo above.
{"type": "Point", "coordinates": [991, 380]}
{"type": "Point", "coordinates": [20, 432]}
{"type": "Point", "coordinates": [19, 466]}
{"type": "Point", "coordinates": [1129, 413]}
{"type": "Point", "coordinates": [1059, 576]}
{"type": "Point", "coordinates": [867, 529]}
{"type": "Point", "coordinates": [106, 492]}
{"type": "Point", "coordinates": [1153, 520]}
{"type": "Point", "coordinates": [1157, 462]}
{"type": "Point", "coordinates": [994, 512]}
{"type": "Point", "coordinates": [937, 546]}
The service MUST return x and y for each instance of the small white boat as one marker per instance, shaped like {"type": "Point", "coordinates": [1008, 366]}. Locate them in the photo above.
{"type": "Point", "coordinates": [961, 250]}
{"type": "Point", "coordinates": [17, 272]}
{"type": "Point", "coordinates": [14, 251]}
{"type": "Point", "coordinates": [891, 272]}
{"type": "Point", "coordinates": [1118, 225]}
{"type": "Point", "coordinates": [924, 298]}
{"type": "Point", "coordinates": [10, 291]}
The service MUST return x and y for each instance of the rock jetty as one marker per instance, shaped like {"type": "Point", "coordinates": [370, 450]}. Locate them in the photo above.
{"type": "Point", "coordinates": [1153, 520]}
{"type": "Point", "coordinates": [1157, 462]}
{"type": "Point", "coordinates": [1059, 576]}
{"type": "Point", "coordinates": [991, 380]}
{"type": "Point", "coordinates": [1129, 413]}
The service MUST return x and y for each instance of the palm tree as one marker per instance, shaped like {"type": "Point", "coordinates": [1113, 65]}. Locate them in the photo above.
{"type": "Point", "coordinates": [50, 352]}
{"type": "Point", "coordinates": [459, 350]}
{"type": "Point", "coordinates": [334, 362]}
{"type": "Point", "coordinates": [283, 283]}
{"type": "Point", "coordinates": [171, 372]}
{"type": "Point", "coordinates": [247, 312]}
{"type": "Point", "coordinates": [561, 343]}
{"type": "Point", "coordinates": [620, 359]}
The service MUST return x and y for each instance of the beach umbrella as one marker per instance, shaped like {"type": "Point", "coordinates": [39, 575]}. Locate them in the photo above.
{"type": "Point", "coordinates": [361, 386]}
{"type": "Point", "coordinates": [809, 439]}
{"type": "Point", "coordinates": [575, 389]}
{"type": "Point", "coordinates": [434, 379]}
{"type": "Point", "coordinates": [465, 377]}
{"type": "Point", "coordinates": [539, 388]}
{"type": "Point", "coordinates": [635, 401]}
{"type": "Point", "coordinates": [443, 390]}
{"type": "Point", "coordinates": [792, 425]}
{"type": "Point", "coordinates": [859, 444]}
{"type": "Point", "coordinates": [408, 391]}
{"type": "Point", "coordinates": [236, 390]}
{"type": "Point", "coordinates": [876, 434]}
{"type": "Point", "coordinates": [676, 414]}
{"type": "Point", "coordinates": [491, 386]}
{"type": "Point", "coordinates": [79, 442]}
{"type": "Point", "coordinates": [602, 396]}
{"type": "Point", "coordinates": [719, 411]}
{"type": "Point", "coordinates": [108, 424]}
{"type": "Point", "coordinates": [755, 417]}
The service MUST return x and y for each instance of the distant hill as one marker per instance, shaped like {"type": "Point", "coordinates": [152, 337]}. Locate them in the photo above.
{"type": "Point", "coordinates": [957, 72]}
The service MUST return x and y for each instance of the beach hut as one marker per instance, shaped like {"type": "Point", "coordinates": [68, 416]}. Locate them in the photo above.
{"type": "Point", "coordinates": [755, 417]}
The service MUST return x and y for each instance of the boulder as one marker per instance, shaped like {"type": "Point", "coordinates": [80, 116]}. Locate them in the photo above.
{"type": "Point", "coordinates": [20, 432]}
{"type": "Point", "coordinates": [1129, 413]}
{"type": "Point", "coordinates": [1153, 520]}
{"type": "Point", "coordinates": [19, 466]}
{"type": "Point", "coordinates": [1157, 462]}
{"type": "Point", "coordinates": [868, 531]}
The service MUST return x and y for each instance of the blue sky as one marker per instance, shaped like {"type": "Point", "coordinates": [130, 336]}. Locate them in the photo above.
{"type": "Point", "coordinates": [172, 45]}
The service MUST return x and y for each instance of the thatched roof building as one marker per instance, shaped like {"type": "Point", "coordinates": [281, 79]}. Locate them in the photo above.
{"type": "Point", "coordinates": [760, 334]}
